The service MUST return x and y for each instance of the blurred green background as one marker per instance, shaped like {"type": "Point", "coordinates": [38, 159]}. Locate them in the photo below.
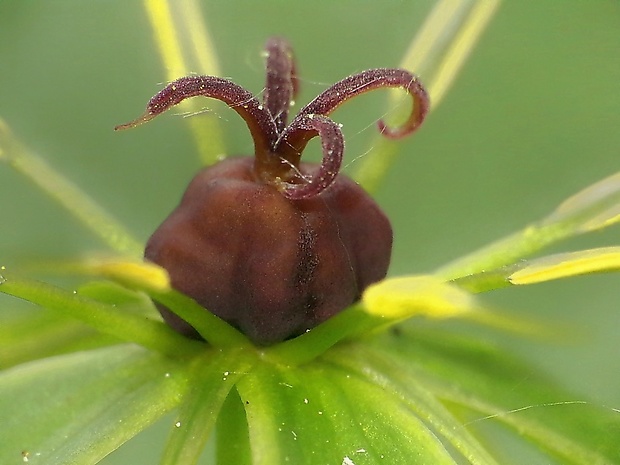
{"type": "Point", "coordinates": [532, 118]}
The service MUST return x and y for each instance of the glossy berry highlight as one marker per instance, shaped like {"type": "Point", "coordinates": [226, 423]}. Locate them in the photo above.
{"type": "Point", "coordinates": [272, 245]}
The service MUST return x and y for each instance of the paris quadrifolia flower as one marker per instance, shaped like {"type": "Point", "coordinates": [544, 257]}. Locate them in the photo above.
{"type": "Point", "coordinates": [261, 309]}
{"type": "Point", "coordinates": [269, 244]}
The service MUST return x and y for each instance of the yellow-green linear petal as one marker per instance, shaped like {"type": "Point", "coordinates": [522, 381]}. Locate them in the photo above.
{"type": "Point", "coordinates": [132, 274]}
{"type": "Point", "coordinates": [593, 208]}
{"type": "Point", "coordinates": [603, 196]}
{"type": "Point", "coordinates": [567, 264]}
{"type": "Point", "coordinates": [401, 298]}
{"type": "Point", "coordinates": [436, 54]}
{"type": "Point", "coordinates": [184, 44]}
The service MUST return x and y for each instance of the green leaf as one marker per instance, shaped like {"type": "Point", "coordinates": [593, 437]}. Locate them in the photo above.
{"type": "Point", "coordinates": [484, 379]}
{"type": "Point", "coordinates": [40, 333]}
{"type": "Point", "coordinates": [324, 414]}
{"type": "Point", "coordinates": [75, 409]}
{"type": "Point", "coordinates": [34, 333]}
{"type": "Point", "coordinates": [232, 423]}
{"type": "Point", "coordinates": [212, 376]}
{"type": "Point", "coordinates": [395, 380]}
{"type": "Point", "coordinates": [108, 292]}
{"type": "Point", "coordinates": [106, 318]}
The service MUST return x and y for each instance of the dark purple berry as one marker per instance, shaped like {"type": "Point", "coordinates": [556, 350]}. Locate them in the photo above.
{"type": "Point", "coordinates": [272, 245]}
